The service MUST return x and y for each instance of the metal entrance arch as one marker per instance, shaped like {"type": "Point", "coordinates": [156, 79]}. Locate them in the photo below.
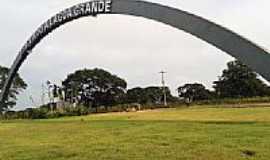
{"type": "Point", "coordinates": [242, 49]}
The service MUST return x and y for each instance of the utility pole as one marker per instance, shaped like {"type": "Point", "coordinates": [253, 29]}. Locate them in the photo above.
{"type": "Point", "coordinates": [51, 100]}
{"type": "Point", "coordinates": [33, 102]}
{"type": "Point", "coordinates": [163, 86]}
{"type": "Point", "coordinates": [43, 95]}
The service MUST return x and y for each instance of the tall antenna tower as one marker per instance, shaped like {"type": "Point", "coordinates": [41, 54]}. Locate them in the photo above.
{"type": "Point", "coordinates": [164, 87]}
{"type": "Point", "coordinates": [43, 94]}
{"type": "Point", "coordinates": [33, 101]}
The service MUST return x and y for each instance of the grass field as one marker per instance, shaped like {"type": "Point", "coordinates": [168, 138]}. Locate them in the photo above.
{"type": "Point", "coordinates": [197, 133]}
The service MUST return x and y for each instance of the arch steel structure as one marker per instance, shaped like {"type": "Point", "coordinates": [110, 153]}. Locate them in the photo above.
{"type": "Point", "coordinates": [233, 44]}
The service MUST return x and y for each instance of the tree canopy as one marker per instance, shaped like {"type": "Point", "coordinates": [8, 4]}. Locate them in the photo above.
{"type": "Point", "coordinates": [17, 86]}
{"type": "Point", "coordinates": [194, 92]}
{"type": "Point", "coordinates": [152, 94]}
{"type": "Point", "coordinates": [94, 87]}
{"type": "Point", "coordinates": [238, 81]}
{"type": "Point", "coordinates": [136, 95]}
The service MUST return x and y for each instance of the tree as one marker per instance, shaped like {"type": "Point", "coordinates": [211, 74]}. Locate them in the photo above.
{"type": "Point", "coordinates": [94, 87]}
{"type": "Point", "coordinates": [155, 94]}
{"type": "Point", "coordinates": [150, 94]}
{"type": "Point", "coordinates": [17, 86]}
{"type": "Point", "coordinates": [136, 95]}
{"type": "Point", "coordinates": [238, 81]}
{"type": "Point", "coordinates": [194, 92]}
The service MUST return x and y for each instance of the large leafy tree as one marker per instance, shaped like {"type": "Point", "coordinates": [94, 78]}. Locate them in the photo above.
{"type": "Point", "coordinates": [94, 87]}
{"type": "Point", "coordinates": [150, 94]}
{"type": "Point", "coordinates": [194, 92]}
{"type": "Point", "coordinates": [136, 95]}
{"type": "Point", "coordinates": [17, 86]}
{"type": "Point", "coordinates": [156, 95]}
{"type": "Point", "coordinates": [238, 80]}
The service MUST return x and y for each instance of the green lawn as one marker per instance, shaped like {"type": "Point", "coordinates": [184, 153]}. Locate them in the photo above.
{"type": "Point", "coordinates": [197, 133]}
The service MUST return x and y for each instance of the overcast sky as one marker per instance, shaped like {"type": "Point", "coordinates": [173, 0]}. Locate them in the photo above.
{"type": "Point", "coordinates": [133, 48]}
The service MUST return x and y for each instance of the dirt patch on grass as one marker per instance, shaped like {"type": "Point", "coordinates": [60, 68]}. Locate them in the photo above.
{"type": "Point", "coordinates": [248, 153]}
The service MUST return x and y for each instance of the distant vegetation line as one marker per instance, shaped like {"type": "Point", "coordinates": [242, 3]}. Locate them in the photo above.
{"type": "Point", "coordinates": [89, 91]}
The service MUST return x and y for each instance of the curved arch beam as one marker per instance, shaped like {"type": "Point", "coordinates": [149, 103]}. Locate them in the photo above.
{"type": "Point", "coordinates": [242, 49]}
